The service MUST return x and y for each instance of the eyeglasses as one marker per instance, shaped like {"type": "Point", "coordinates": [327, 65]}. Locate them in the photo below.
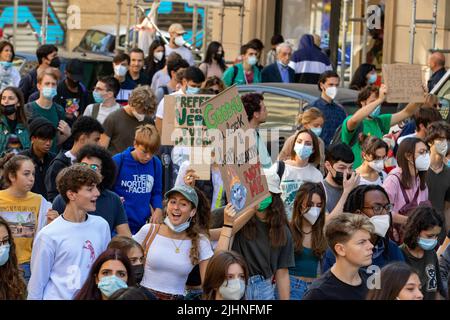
{"type": "Point", "coordinates": [378, 208]}
{"type": "Point", "coordinates": [94, 167]}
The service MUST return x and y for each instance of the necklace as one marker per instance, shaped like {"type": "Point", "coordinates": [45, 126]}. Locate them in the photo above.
{"type": "Point", "coordinates": [177, 248]}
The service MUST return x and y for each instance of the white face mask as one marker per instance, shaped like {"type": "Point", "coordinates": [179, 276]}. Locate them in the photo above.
{"type": "Point", "coordinates": [441, 147]}
{"type": "Point", "coordinates": [312, 215]}
{"type": "Point", "coordinates": [120, 70]}
{"type": "Point", "coordinates": [233, 289]}
{"type": "Point", "coordinates": [158, 56]}
{"type": "Point", "coordinates": [138, 116]}
{"type": "Point", "coordinates": [179, 41]}
{"type": "Point", "coordinates": [331, 92]}
{"type": "Point", "coordinates": [377, 165]}
{"type": "Point", "coordinates": [381, 224]}
{"type": "Point", "coordinates": [423, 162]}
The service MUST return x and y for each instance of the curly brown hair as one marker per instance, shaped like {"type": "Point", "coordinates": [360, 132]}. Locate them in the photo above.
{"type": "Point", "coordinates": [12, 284]}
{"type": "Point", "coordinates": [142, 99]}
{"type": "Point", "coordinates": [74, 178]}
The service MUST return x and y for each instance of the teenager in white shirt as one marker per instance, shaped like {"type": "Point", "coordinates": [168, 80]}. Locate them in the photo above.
{"type": "Point", "coordinates": [65, 250]}
{"type": "Point", "coordinates": [105, 93]}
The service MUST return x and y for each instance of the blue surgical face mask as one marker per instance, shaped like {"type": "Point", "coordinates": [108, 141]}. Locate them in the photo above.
{"type": "Point", "coordinates": [252, 60]}
{"type": "Point", "coordinates": [179, 228]}
{"type": "Point", "coordinates": [49, 93]}
{"type": "Point", "coordinates": [448, 163]}
{"type": "Point", "coordinates": [6, 64]}
{"type": "Point", "coordinates": [98, 97]}
{"type": "Point", "coordinates": [4, 254]}
{"type": "Point", "coordinates": [427, 244]}
{"type": "Point", "coordinates": [372, 78]}
{"type": "Point", "coordinates": [376, 112]}
{"type": "Point", "coordinates": [303, 151]}
{"type": "Point", "coordinates": [192, 90]}
{"type": "Point", "coordinates": [317, 131]}
{"type": "Point", "coordinates": [109, 285]}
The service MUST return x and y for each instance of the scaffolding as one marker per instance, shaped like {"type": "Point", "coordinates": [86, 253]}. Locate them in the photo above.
{"type": "Point", "coordinates": [415, 22]}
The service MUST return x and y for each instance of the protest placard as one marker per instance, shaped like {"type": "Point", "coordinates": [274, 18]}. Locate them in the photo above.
{"type": "Point", "coordinates": [404, 83]}
{"type": "Point", "coordinates": [236, 153]}
{"type": "Point", "coordinates": [182, 123]}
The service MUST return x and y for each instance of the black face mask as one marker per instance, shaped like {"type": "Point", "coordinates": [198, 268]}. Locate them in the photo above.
{"type": "Point", "coordinates": [339, 178]}
{"type": "Point", "coordinates": [55, 63]}
{"type": "Point", "coordinates": [218, 56]}
{"type": "Point", "coordinates": [9, 109]}
{"type": "Point", "coordinates": [72, 82]}
{"type": "Point", "coordinates": [138, 271]}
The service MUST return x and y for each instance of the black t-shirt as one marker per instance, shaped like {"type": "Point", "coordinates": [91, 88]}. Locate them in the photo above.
{"type": "Point", "coordinates": [329, 287]}
{"type": "Point", "coordinates": [263, 259]}
{"type": "Point", "coordinates": [72, 101]}
{"type": "Point", "coordinates": [439, 188]}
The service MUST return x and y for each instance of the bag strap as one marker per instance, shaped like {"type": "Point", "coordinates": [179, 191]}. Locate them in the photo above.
{"type": "Point", "coordinates": [152, 232]}
{"type": "Point", "coordinates": [235, 73]}
{"type": "Point", "coordinates": [280, 169]}
{"type": "Point", "coordinates": [405, 196]}
{"type": "Point", "coordinates": [95, 110]}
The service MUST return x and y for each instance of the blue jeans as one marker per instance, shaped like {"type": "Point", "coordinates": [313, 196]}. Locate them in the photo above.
{"type": "Point", "coordinates": [259, 288]}
{"type": "Point", "coordinates": [298, 288]}
{"type": "Point", "coordinates": [26, 271]}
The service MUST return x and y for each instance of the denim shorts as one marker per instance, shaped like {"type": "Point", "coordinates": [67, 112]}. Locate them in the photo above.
{"type": "Point", "coordinates": [26, 270]}
{"type": "Point", "coordinates": [259, 288]}
{"type": "Point", "coordinates": [298, 288]}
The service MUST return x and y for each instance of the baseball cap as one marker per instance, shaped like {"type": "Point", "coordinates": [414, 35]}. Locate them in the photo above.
{"type": "Point", "coordinates": [75, 68]}
{"type": "Point", "coordinates": [188, 192]}
{"type": "Point", "coordinates": [177, 28]}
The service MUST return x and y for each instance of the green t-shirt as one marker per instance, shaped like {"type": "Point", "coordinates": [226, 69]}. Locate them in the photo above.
{"type": "Point", "coordinates": [54, 115]}
{"type": "Point", "coordinates": [370, 128]}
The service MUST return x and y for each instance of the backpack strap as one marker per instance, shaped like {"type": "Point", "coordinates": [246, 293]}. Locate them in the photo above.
{"type": "Point", "coordinates": [152, 232]}
{"type": "Point", "coordinates": [280, 168]}
{"type": "Point", "coordinates": [95, 110]}
{"type": "Point", "coordinates": [165, 90]}
{"type": "Point", "coordinates": [235, 73]}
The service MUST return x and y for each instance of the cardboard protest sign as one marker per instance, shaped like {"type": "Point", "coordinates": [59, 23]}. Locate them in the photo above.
{"type": "Point", "coordinates": [182, 123]}
{"type": "Point", "coordinates": [404, 83]}
{"type": "Point", "coordinates": [235, 149]}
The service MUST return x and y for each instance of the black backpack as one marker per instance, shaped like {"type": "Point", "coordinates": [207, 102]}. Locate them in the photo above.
{"type": "Point", "coordinates": [337, 137]}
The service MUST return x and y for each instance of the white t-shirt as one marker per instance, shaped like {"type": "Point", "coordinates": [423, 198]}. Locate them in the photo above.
{"type": "Point", "coordinates": [103, 112]}
{"type": "Point", "coordinates": [401, 139]}
{"type": "Point", "coordinates": [165, 270]}
{"type": "Point", "coordinates": [184, 52]}
{"type": "Point", "coordinates": [160, 109]}
{"type": "Point", "coordinates": [63, 254]}
{"type": "Point", "coordinates": [363, 182]}
{"type": "Point", "coordinates": [292, 180]}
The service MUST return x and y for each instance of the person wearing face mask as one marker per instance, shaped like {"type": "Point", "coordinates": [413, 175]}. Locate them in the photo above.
{"type": "Point", "coordinates": [47, 56]}
{"type": "Point", "coordinates": [313, 120]}
{"type": "Point", "coordinates": [12, 285]}
{"type": "Point", "coordinates": [266, 242]}
{"type": "Point", "coordinates": [139, 178]}
{"type": "Point", "coordinates": [365, 75]}
{"type": "Point", "coordinates": [334, 114]}
{"type": "Point", "coordinates": [121, 124]}
{"type": "Point", "coordinates": [156, 59]}
{"type": "Point", "coordinates": [438, 176]}
{"type": "Point", "coordinates": [280, 71]}
{"type": "Point", "coordinates": [340, 179]}
{"type": "Point", "coordinates": [373, 202]}
{"type": "Point", "coordinates": [121, 62]}
{"type": "Point", "coordinates": [110, 272]}
{"type": "Point", "coordinates": [406, 184]}
{"type": "Point", "coordinates": [309, 62]}
{"type": "Point", "coordinates": [104, 94]}
{"type": "Point", "coordinates": [13, 121]}
{"type": "Point", "coordinates": [173, 248]}
{"type": "Point", "coordinates": [9, 76]}
{"type": "Point", "coordinates": [245, 72]}
{"type": "Point", "coordinates": [374, 151]}
{"type": "Point", "coordinates": [421, 234]}
{"type": "Point", "coordinates": [214, 63]}
{"type": "Point", "coordinates": [307, 228]}
{"type": "Point", "coordinates": [177, 42]}
{"type": "Point", "coordinates": [226, 277]}
{"type": "Point", "coordinates": [300, 168]}
{"type": "Point", "coordinates": [71, 94]}
{"type": "Point", "coordinates": [71, 243]}
{"type": "Point", "coordinates": [47, 108]}
{"type": "Point", "coordinates": [174, 66]}
{"type": "Point", "coordinates": [398, 281]}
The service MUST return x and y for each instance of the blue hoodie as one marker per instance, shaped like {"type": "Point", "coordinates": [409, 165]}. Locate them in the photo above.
{"type": "Point", "coordinates": [140, 185]}
{"type": "Point", "coordinates": [309, 61]}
